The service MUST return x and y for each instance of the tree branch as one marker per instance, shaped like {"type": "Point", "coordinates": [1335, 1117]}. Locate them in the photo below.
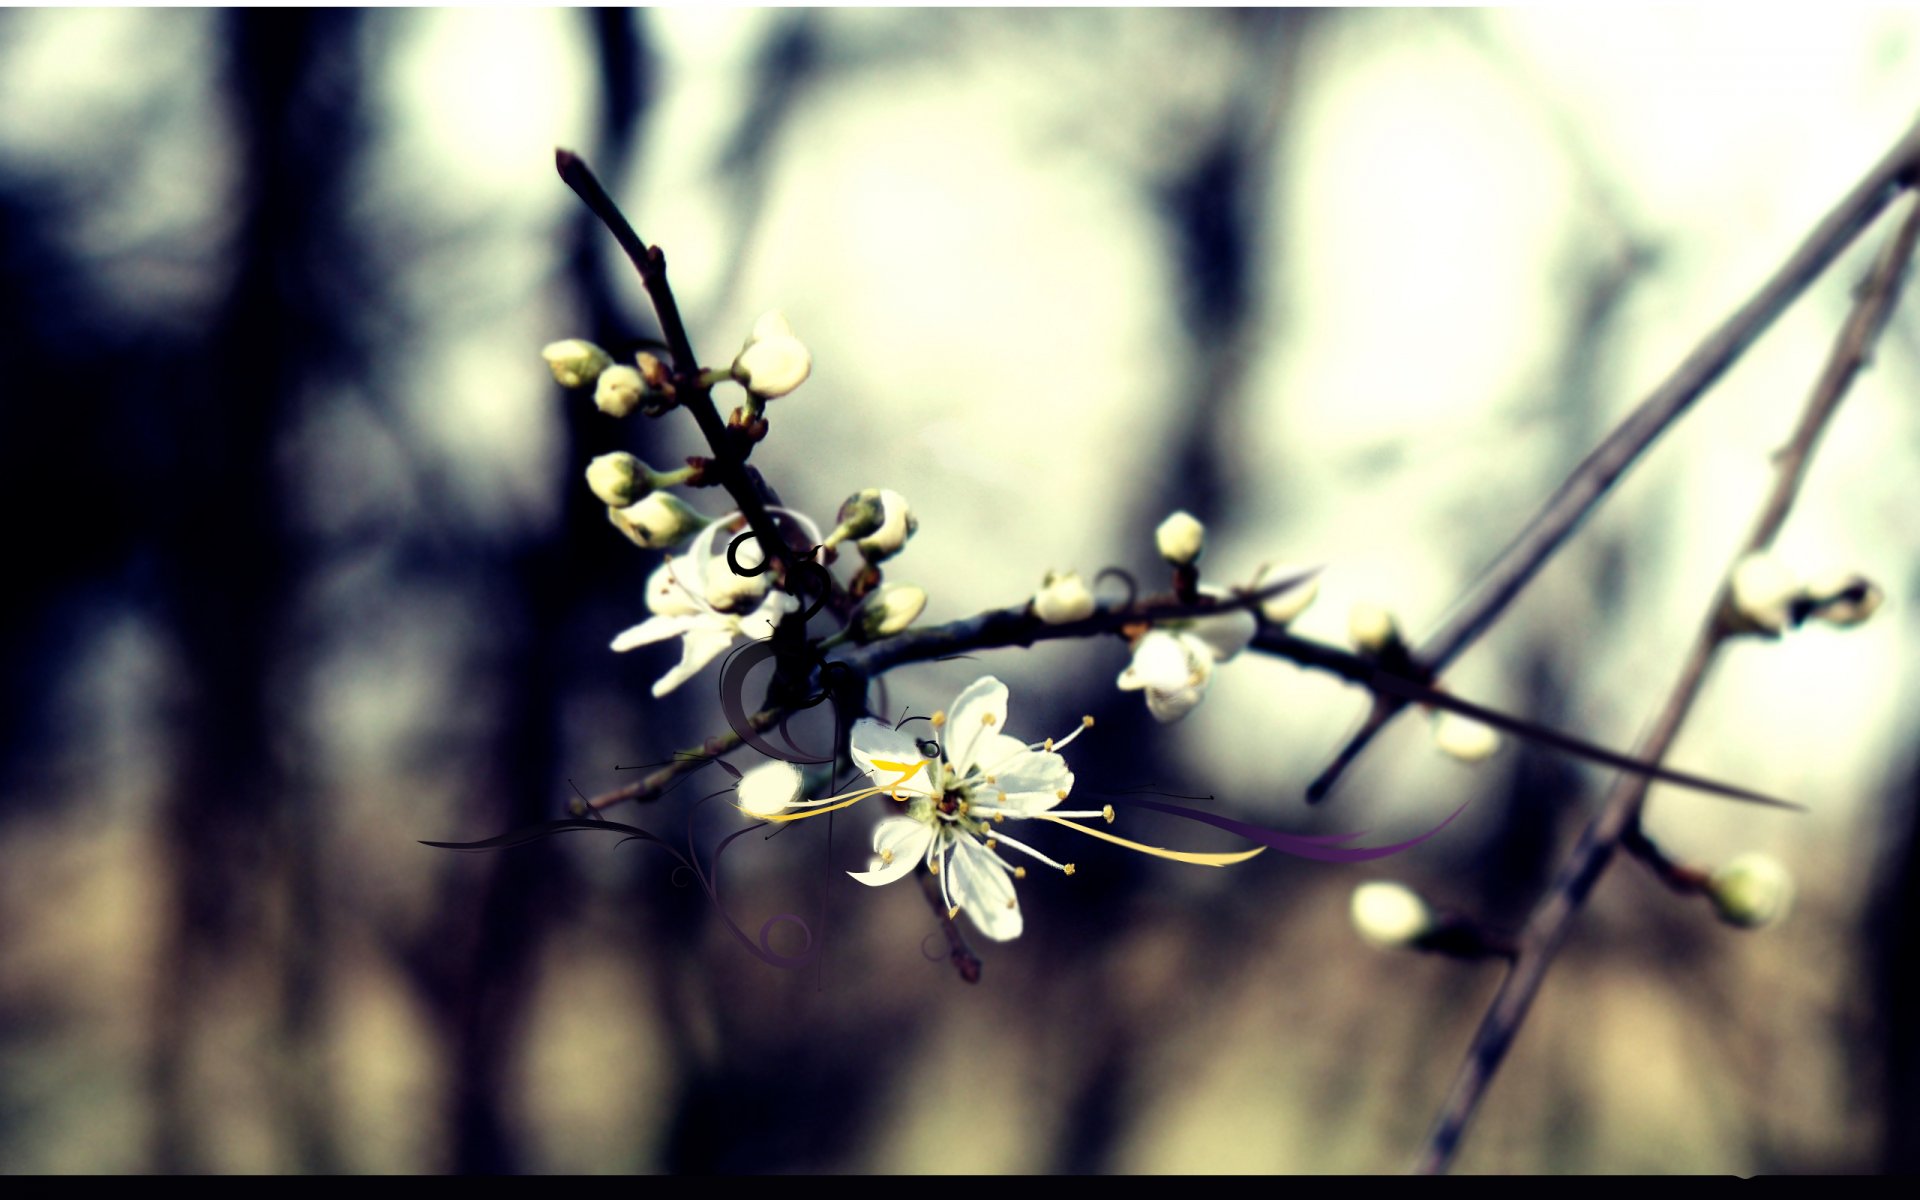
{"type": "Point", "coordinates": [1547, 929]}
{"type": "Point", "coordinates": [1596, 475]}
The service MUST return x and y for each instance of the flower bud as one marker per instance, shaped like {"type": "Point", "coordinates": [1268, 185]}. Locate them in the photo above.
{"type": "Point", "coordinates": [619, 391]}
{"type": "Point", "coordinates": [889, 610]}
{"type": "Point", "coordinates": [1463, 737]}
{"type": "Point", "coordinates": [897, 524]}
{"type": "Point", "coordinates": [1762, 596]}
{"type": "Point", "coordinates": [1062, 599]}
{"type": "Point", "coordinates": [662, 521]}
{"type": "Point", "coordinates": [1371, 628]}
{"type": "Point", "coordinates": [575, 363]}
{"type": "Point", "coordinates": [860, 515]}
{"type": "Point", "coordinates": [1844, 598]}
{"type": "Point", "coordinates": [1180, 538]}
{"type": "Point", "coordinates": [1289, 604]}
{"type": "Point", "coordinates": [653, 372]}
{"type": "Point", "coordinates": [1390, 915]}
{"type": "Point", "coordinates": [768, 789]}
{"type": "Point", "coordinates": [619, 479]}
{"type": "Point", "coordinates": [1751, 891]}
{"type": "Point", "coordinates": [773, 362]}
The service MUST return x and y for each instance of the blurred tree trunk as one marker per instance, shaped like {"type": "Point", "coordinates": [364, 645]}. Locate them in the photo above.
{"type": "Point", "coordinates": [242, 843]}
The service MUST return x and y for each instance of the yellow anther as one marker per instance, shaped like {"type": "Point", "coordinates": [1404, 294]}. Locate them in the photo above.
{"type": "Point", "coordinates": [939, 719]}
{"type": "Point", "coordinates": [999, 818]}
{"type": "Point", "coordinates": [1012, 902]}
{"type": "Point", "coordinates": [886, 857]}
{"type": "Point", "coordinates": [933, 867]}
{"type": "Point", "coordinates": [953, 912]}
{"type": "Point", "coordinates": [1019, 872]}
{"type": "Point", "coordinates": [1068, 868]}
{"type": "Point", "coordinates": [1047, 745]}
{"type": "Point", "coordinates": [1003, 797]}
{"type": "Point", "coordinates": [1106, 810]}
{"type": "Point", "coordinates": [1061, 794]}
{"type": "Point", "coordinates": [990, 779]}
{"type": "Point", "coordinates": [991, 843]}
{"type": "Point", "coordinates": [1086, 722]}
{"type": "Point", "coordinates": [988, 719]}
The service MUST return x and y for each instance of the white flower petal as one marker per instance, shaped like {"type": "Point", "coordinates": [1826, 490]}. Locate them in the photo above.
{"type": "Point", "coordinates": [653, 629]}
{"type": "Point", "coordinates": [982, 707]}
{"type": "Point", "coordinates": [898, 845]}
{"type": "Point", "coordinates": [668, 593]}
{"type": "Point", "coordinates": [702, 645]}
{"type": "Point", "coordinates": [1225, 635]}
{"type": "Point", "coordinates": [1033, 782]}
{"type": "Point", "coordinates": [1159, 662]}
{"type": "Point", "coordinates": [759, 623]}
{"type": "Point", "coordinates": [983, 888]}
{"type": "Point", "coordinates": [1171, 704]}
{"type": "Point", "coordinates": [873, 741]}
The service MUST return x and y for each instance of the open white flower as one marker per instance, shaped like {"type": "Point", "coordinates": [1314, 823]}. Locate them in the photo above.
{"type": "Point", "coordinates": [959, 795]}
{"type": "Point", "coordinates": [698, 598]}
{"type": "Point", "coordinates": [1174, 663]}
{"type": "Point", "coordinates": [768, 788]}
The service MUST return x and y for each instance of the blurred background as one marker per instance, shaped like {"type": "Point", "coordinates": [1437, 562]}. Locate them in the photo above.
{"type": "Point", "coordinates": [1357, 288]}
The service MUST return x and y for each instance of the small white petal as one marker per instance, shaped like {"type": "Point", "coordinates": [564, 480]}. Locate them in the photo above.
{"type": "Point", "coordinates": [899, 843]}
{"type": "Point", "coordinates": [873, 742]}
{"type": "Point", "coordinates": [701, 645]}
{"type": "Point", "coordinates": [1063, 599]}
{"type": "Point", "coordinates": [983, 888]}
{"type": "Point", "coordinates": [654, 629]}
{"type": "Point", "coordinates": [1160, 662]}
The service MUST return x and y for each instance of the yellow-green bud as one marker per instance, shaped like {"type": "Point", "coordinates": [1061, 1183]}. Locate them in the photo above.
{"type": "Point", "coordinates": [619, 391]}
{"type": "Point", "coordinates": [897, 524]}
{"type": "Point", "coordinates": [1063, 598]}
{"type": "Point", "coordinates": [575, 363]}
{"type": "Point", "coordinates": [1751, 891]}
{"type": "Point", "coordinates": [662, 521]}
{"type": "Point", "coordinates": [619, 479]}
{"type": "Point", "coordinates": [1390, 915]}
{"type": "Point", "coordinates": [1180, 538]}
{"type": "Point", "coordinates": [889, 610]}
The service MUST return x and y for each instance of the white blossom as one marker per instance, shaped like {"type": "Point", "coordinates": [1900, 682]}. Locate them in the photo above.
{"type": "Point", "coordinates": [1174, 662]}
{"type": "Point", "coordinates": [690, 594]}
{"type": "Point", "coordinates": [959, 796]}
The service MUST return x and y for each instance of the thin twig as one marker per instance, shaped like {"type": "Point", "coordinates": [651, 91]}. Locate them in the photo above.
{"type": "Point", "coordinates": [652, 785]}
{"type": "Point", "coordinates": [1551, 920]}
{"type": "Point", "coordinates": [1019, 627]}
{"type": "Point", "coordinates": [1595, 475]}
{"type": "Point", "coordinates": [728, 464]}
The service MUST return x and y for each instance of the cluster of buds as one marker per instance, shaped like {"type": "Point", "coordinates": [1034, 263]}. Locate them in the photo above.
{"type": "Point", "coordinates": [1766, 597]}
